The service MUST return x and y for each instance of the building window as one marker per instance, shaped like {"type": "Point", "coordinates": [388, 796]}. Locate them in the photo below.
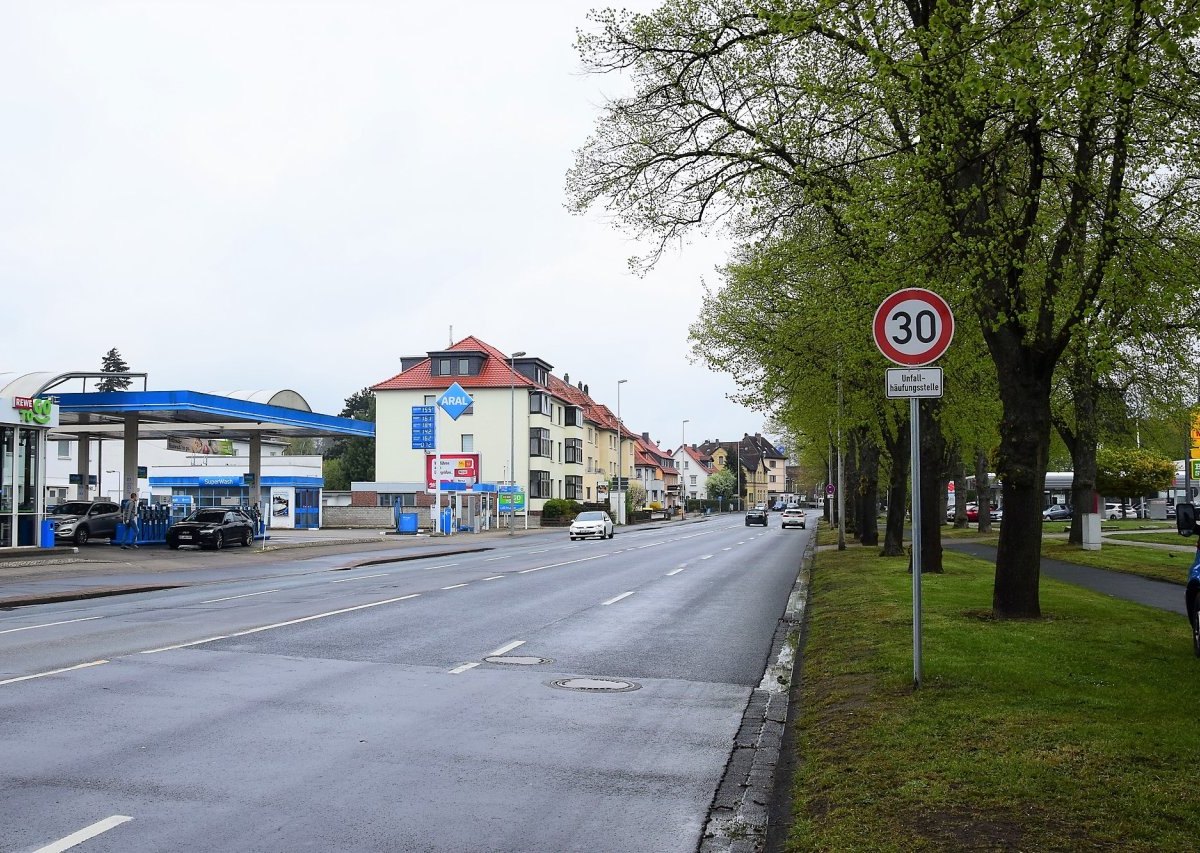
{"type": "Point", "coordinates": [394, 498]}
{"type": "Point", "coordinates": [430, 399]}
{"type": "Point", "coordinates": [772, 478]}
{"type": "Point", "coordinates": [693, 479]}
{"type": "Point", "coordinates": [540, 443]}
{"type": "Point", "coordinates": [574, 489]}
{"type": "Point", "coordinates": [574, 451]}
{"type": "Point", "coordinates": [591, 437]}
{"type": "Point", "coordinates": [444, 366]}
{"type": "Point", "coordinates": [539, 404]}
{"type": "Point", "coordinates": [686, 464]}
{"type": "Point", "coordinates": [64, 449]}
{"type": "Point", "coordinates": [574, 416]}
{"type": "Point", "coordinates": [539, 484]}
{"type": "Point", "coordinates": [464, 367]}
{"type": "Point", "coordinates": [468, 442]}
{"type": "Point", "coordinates": [560, 451]}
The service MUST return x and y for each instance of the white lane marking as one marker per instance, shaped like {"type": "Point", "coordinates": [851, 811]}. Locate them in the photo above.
{"type": "Point", "coordinates": [504, 649]}
{"type": "Point", "coordinates": [618, 598]}
{"type": "Point", "coordinates": [48, 624]}
{"type": "Point", "coordinates": [651, 545]}
{"type": "Point", "coordinates": [52, 672]}
{"type": "Point", "coordinates": [676, 571]}
{"type": "Point", "coordinates": [284, 624]}
{"type": "Point", "coordinates": [539, 551]}
{"type": "Point", "coordinates": [494, 559]}
{"type": "Point", "coordinates": [463, 668]}
{"type": "Point", "coordinates": [361, 578]}
{"type": "Point", "coordinates": [232, 597]}
{"type": "Point", "coordinates": [495, 578]}
{"type": "Point", "coordinates": [556, 565]}
{"type": "Point", "coordinates": [743, 542]}
{"type": "Point", "coordinates": [707, 557]}
{"type": "Point", "coordinates": [455, 586]}
{"type": "Point", "coordinates": [76, 838]}
{"type": "Point", "coordinates": [727, 549]}
{"type": "Point", "coordinates": [442, 566]}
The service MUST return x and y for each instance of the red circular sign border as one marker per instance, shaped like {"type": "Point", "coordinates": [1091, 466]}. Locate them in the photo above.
{"type": "Point", "coordinates": [939, 347]}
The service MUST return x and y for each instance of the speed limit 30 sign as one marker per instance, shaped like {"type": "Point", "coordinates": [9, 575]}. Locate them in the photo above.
{"type": "Point", "coordinates": [913, 326]}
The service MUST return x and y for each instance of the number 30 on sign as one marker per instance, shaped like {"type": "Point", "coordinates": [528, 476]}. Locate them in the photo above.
{"type": "Point", "coordinates": [913, 327]}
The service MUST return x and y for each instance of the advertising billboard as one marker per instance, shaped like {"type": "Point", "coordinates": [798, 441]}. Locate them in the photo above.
{"type": "Point", "coordinates": [461, 469]}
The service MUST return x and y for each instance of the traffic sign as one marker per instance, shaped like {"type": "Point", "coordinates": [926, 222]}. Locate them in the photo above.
{"type": "Point", "coordinates": [829, 489]}
{"type": "Point", "coordinates": [455, 401]}
{"type": "Point", "coordinates": [914, 382]}
{"type": "Point", "coordinates": [913, 326]}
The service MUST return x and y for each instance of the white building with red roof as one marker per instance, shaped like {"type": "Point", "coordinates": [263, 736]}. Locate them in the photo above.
{"type": "Point", "coordinates": [694, 470]}
{"type": "Point", "coordinates": [525, 426]}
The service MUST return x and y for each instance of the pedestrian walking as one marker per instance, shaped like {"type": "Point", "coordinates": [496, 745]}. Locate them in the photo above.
{"type": "Point", "coordinates": [129, 516]}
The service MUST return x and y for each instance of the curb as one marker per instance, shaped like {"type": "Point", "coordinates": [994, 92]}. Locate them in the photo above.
{"type": "Point", "coordinates": [740, 811]}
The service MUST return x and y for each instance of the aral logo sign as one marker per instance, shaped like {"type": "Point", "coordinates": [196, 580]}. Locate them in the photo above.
{"type": "Point", "coordinates": [34, 410]}
{"type": "Point", "coordinates": [455, 401]}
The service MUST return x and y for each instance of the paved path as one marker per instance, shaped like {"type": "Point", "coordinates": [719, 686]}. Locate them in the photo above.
{"type": "Point", "coordinates": [1160, 594]}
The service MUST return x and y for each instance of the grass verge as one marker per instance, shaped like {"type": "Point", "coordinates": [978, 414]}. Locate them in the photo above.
{"type": "Point", "coordinates": [1154, 563]}
{"type": "Point", "coordinates": [1072, 732]}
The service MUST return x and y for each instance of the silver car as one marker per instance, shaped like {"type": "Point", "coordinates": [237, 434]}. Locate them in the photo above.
{"type": "Point", "coordinates": [592, 523]}
{"type": "Point", "coordinates": [793, 518]}
{"type": "Point", "coordinates": [80, 521]}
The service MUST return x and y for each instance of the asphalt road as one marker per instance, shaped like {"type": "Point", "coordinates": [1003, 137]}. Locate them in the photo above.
{"type": "Point", "coordinates": [330, 709]}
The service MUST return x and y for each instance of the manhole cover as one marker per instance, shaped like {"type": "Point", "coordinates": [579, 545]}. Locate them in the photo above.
{"type": "Point", "coordinates": [517, 660]}
{"type": "Point", "coordinates": [595, 685]}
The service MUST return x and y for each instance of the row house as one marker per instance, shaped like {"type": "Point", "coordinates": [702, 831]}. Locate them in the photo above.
{"type": "Point", "coordinates": [525, 426]}
{"type": "Point", "coordinates": [694, 469]}
{"type": "Point", "coordinates": [757, 464]}
{"type": "Point", "coordinates": [655, 470]}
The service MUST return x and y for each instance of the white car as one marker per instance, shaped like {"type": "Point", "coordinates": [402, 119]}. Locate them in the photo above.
{"type": "Point", "coordinates": [592, 523]}
{"type": "Point", "coordinates": [793, 518]}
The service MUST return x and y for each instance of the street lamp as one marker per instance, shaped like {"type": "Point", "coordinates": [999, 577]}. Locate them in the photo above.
{"type": "Point", "coordinates": [682, 452]}
{"type": "Point", "coordinates": [512, 437]}
{"type": "Point", "coordinates": [620, 447]}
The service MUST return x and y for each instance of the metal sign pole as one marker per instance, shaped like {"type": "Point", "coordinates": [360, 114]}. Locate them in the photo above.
{"type": "Point", "coordinates": [437, 475]}
{"type": "Point", "coordinates": [914, 413]}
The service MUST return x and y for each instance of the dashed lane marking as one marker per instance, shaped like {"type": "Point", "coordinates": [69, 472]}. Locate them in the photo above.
{"type": "Point", "coordinates": [232, 597]}
{"type": "Point", "coordinates": [49, 624]}
{"type": "Point", "coordinates": [617, 598]}
{"type": "Point", "coordinates": [52, 672]}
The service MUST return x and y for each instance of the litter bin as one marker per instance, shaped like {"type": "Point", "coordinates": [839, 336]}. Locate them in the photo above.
{"type": "Point", "coordinates": [406, 522]}
{"type": "Point", "coordinates": [47, 539]}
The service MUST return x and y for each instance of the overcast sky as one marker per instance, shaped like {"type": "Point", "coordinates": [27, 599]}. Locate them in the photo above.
{"type": "Point", "coordinates": [263, 195]}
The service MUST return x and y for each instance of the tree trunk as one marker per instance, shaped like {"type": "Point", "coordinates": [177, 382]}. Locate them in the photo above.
{"type": "Point", "coordinates": [1085, 392]}
{"type": "Point", "coordinates": [850, 481]}
{"type": "Point", "coordinates": [868, 526]}
{"type": "Point", "coordinates": [1024, 451]}
{"type": "Point", "coordinates": [933, 453]}
{"type": "Point", "coordinates": [893, 533]}
{"type": "Point", "coordinates": [983, 492]}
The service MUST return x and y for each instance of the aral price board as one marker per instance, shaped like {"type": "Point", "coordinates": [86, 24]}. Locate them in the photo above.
{"type": "Point", "coordinates": [913, 327]}
{"type": "Point", "coordinates": [424, 428]}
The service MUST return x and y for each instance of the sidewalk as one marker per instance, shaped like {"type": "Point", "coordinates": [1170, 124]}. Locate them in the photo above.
{"type": "Point", "coordinates": [1160, 594]}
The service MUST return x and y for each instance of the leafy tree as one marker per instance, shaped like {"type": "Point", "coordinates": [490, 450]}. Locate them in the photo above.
{"type": "Point", "coordinates": [1009, 153]}
{"type": "Point", "coordinates": [301, 447]}
{"type": "Point", "coordinates": [720, 484]}
{"type": "Point", "coordinates": [111, 362]}
{"type": "Point", "coordinates": [635, 496]}
{"type": "Point", "coordinates": [356, 456]}
{"type": "Point", "coordinates": [1130, 472]}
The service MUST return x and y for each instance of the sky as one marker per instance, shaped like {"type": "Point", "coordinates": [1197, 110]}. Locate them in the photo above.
{"type": "Point", "coordinates": [263, 195]}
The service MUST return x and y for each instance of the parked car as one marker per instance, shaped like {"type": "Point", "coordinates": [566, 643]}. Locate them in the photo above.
{"type": "Point", "coordinates": [758, 515]}
{"type": "Point", "coordinates": [80, 521]}
{"type": "Point", "coordinates": [1057, 512]}
{"type": "Point", "coordinates": [793, 518]}
{"type": "Point", "coordinates": [211, 527]}
{"type": "Point", "coordinates": [591, 523]}
{"type": "Point", "coordinates": [996, 514]}
{"type": "Point", "coordinates": [1115, 511]}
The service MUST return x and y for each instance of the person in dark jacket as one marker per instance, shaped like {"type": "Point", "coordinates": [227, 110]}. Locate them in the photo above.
{"type": "Point", "coordinates": [129, 517]}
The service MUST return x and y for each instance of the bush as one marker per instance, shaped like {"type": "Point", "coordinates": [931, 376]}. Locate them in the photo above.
{"type": "Point", "coordinates": [558, 509]}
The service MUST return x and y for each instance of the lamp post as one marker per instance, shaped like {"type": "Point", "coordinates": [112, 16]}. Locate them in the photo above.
{"type": "Point", "coordinates": [512, 438]}
{"type": "Point", "coordinates": [682, 451]}
{"type": "Point", "coordinates": [620, 461]}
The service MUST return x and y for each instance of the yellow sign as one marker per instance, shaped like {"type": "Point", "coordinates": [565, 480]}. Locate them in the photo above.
{"type": "Point", "coordinates": [1195, 435]}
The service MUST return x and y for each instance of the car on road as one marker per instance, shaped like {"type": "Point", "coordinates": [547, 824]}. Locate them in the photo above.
{"type": "Point", "coordinates": [758, 515]}
{"type": "Point", "coordinates": [1114, 511]}
{"type": "Point", "coordinates": [1057, 512]}
{"type": "Point", "coordinates": [80, 521]}
{"type": "Point", "coordinates": [793, 518]}
{"type": "Point", "coordinates": [211, 527]}
{"type": "Point", "coordinates": [591, 523]}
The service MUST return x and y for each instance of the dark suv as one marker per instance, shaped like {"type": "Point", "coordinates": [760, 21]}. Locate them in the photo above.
{"type": "Point", "coordinates": [80, 521]}
{"type": "Point", "coordinates": [758, 515]}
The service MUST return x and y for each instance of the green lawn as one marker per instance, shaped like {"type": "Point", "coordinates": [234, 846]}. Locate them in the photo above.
{"type": "Point", "coordinates": [1077, 731]}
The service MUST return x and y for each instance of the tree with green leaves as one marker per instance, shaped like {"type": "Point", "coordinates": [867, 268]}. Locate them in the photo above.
{"type": "Point", "coordinates": [111, 362]}
{"type": "Point", "coordinates": [1007, 152]}
{"type": "Point", "coordinates": [352, 459]}
{"type": "Point", "coordinates": [721, 485]}
{"type": "Point", "coordinates": [1130, 472]}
